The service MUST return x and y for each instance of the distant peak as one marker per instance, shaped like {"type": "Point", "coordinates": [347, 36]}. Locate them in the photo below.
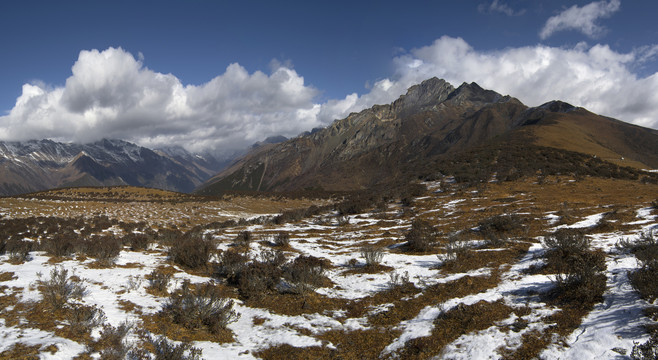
{"type": "Point", "coordinates": [474, 93]}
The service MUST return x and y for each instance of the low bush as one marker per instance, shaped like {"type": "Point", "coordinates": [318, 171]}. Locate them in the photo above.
{"type": "Point", "coordinates": [200, 308]}
{"type": "Point", "coordinates": [18, 250]}
{"type": "Point", "coordinates": [305, 273]}
{"type": "Point", "coordinates": [579, 270]}
{"type": "Point", "coordinates": [159, 280]}
{"type": "Point", "coordinates": [454, 249]}
{"type": "Point", "coordinates": [372, 255]}
{"type": "Point", "coordinates": [163, 349]}
{"type": "Point", "coordinates": [84, 318]}
{"type": "Point", "coordinates": [497, 229]}
{"type": "Point", "coordinates": [192, 250]}
{"type": "Point", "coordinates": [647, 350]}
{"type": "Point", "coordinates": [61, 244]}
{"type": "Point", "coordinates": [111, 343]}
{"type": "Point", "coordinates": [104, 249]}
{"type": "Point", "coordinates": [645, 279]}
{"type": "Point", "coordinates": [137, 242]}
{"type": "Point", "coordinates": [243, 239]}
{"type": "Point", "coordinates": [59, 289]}
{"type": "Point", "coordinates": [231, 263]}
{"type": "Point", "coordinates": [421, 237]}
{"type": "Point", "coordinates": [282, 239]}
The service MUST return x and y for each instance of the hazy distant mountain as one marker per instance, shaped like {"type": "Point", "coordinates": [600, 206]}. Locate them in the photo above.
{"type": "Point", "coordinates": [436, 128]}
{"type": "Point", "coordinates": [42, 164]}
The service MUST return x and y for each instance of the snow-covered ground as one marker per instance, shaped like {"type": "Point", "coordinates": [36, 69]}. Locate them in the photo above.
{"type": "Point", "coordinates": [613, 325]}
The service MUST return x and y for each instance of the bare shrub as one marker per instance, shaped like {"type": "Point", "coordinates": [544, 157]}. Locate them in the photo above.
{"type": "Point", "coordinates": [579, 279]}
{"type": "Point", "coordinates": [645, 279]}
{"type": "Point", "coordinates": [204, 307]}
{"type": "Point", "coordinates": [647, 350]}
{"type": "Point", "coordinates": [137, 242]}
{"type": "Point", "coordinates": [282, 239]}
{"type": "Point", "coordinates": [305, 273]}
{"type": "Point", "coordinates": [455, 248]}
{"type": "Point", "coordinates": [84, 318]}
{"type": "Point", "coordinates": [243, 239]}
{"type": "Point", "coordinates": [163, 349]}
{"type": "Point", "coordinates": [18, 250]}
{"type": "Point", "coordinates": [230, 264]}
{"type": "Point", "coordinates": [104, 249]}
{"type": "Point", "coordinates": [257, 279]}
{"type": "Point", "coordinates": [192, 250]}
{"type": "Point", "coordinates": [421, 237]}
{"type": "Point", "coordinates": [159, 280]}
{"type": "Point", "coordinates": [497, 229]}
{"type": "Point", "coordinates": [111, 343]}
{"type": "Point", "coordinates": [59, 289]}
{"type": "Point", "coordinates": [168, 237]}
{"type": "Point", "coordinates": [61, 244]}
{"type": "Point", "coordinates": [372, 255]}
{"type": "Point", "coordinates": [274, 257]}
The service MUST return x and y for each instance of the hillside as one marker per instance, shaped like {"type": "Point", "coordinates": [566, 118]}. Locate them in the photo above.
{"type": "Point", "coordinates": [432, 123]}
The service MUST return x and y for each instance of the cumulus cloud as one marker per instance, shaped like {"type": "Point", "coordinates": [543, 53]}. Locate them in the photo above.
{"type": "Point", "coordinates": [111, 94]}
{"type": "Point", "coordinates": [582, 19]}
{"type": "Point", "coordinates": [498, 6]}
{"type": "Point", "coordinates": [595, 77]}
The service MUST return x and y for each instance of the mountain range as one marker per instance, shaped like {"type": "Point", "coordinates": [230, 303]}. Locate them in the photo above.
{"type": "Point", "coordinates": [42, 164]}
{"type": "Point", "coordinates": [434, 129]}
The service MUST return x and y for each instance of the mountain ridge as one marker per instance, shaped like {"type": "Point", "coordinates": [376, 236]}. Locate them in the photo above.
{"type": "Point", "coordinates": [432, 120]}
{"type": "Point", "coordinates": [36, 165]}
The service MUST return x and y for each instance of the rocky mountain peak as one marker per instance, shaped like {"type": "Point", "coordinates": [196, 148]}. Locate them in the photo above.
{"type": "Point", "coordinates": [473, 93]}
{"type": "Point", "coordinates": [431, 91]}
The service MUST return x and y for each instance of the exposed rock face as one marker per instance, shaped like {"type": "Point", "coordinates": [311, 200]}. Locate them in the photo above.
{"type": "Point", "coordinates": [38, 165]}
{"type": "Point", "coordinates": [386, 141]}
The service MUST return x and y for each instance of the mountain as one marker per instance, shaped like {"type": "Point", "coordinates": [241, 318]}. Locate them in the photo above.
{"type": "Point", "coordinates": [43, 164]}
{"type": "Point", "coordinates": [437, 128]}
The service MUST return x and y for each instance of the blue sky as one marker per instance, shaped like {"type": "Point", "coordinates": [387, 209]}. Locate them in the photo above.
{"type": "Point", "coordinates": [221, 75]}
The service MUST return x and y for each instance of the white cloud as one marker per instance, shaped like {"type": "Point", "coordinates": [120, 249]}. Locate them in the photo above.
{"type": "Point", "coordinates": [582, 19]}
{"type": "Point", "coordinates": [595, 77]}
{"type": "Point", "coordinates": [498, 6]}
{"type": "Point", "coordinates": [112, 94]}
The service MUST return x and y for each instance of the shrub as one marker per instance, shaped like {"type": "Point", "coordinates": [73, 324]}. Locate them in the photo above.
{"type": "Point", "coordinates": [421, 236]}
{"type": "Point", "coordinates": [163, 349]}
{"type": "Point", "coordinates": [342, 220]}
{"type": "Point", "coordinates": [243, 239]}
{"type": "Point", "coordinates": [282, 239]}
{"type": "Point", "coordinates": [60, 289]}
{"type": "Point", "coordinates": [192, 250]}
{"type": "Point", "coordinates": [203, 307]}
{"type": "Point", "coordinates": [454, 249]}
{"type": "Point", "coordinates": [305, 273]}
{"type": "Point", "coordinates": [497, 228]}
{"type": "Point", "coordinates": [19, 250]}
{"type": "Point", "coordinates": [231, 263]}
{"type": "Point", "coordinates": [84, 318]}
{"type": "Point", "coordinates": [61, 244]}
{"type": "Point", "coordinates": [104, 249]}
{"type": "Point", "coordinates": [579, 279]}
{"type": "Point", "coordinates": [111, 343]}
{"type": "Point", "coordinates": [159, 280]}
{"type": "Point", "coordinates": [137, 242]}
{"type": "Point", "coordinates": [257, 279]}
{"type": "Point", "coordinates": [373, 255]}
{"type": "Point", "coordinates": [647, 350]}
{"type": "Point", "coordinates": [645, 279]}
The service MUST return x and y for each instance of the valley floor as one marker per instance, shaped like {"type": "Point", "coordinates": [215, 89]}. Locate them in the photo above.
{"type": "Point", "coordinates": [488, 300]}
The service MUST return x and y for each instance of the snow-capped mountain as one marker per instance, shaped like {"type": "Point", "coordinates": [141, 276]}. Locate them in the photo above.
{"type": "Point", "coordinates": [42, 164]}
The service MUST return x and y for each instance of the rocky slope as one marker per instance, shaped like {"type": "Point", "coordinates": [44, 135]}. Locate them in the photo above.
{"type": "Point", "coordinates": [43, 164]}
{"type": "Point", "coordinates": [423, 131]}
